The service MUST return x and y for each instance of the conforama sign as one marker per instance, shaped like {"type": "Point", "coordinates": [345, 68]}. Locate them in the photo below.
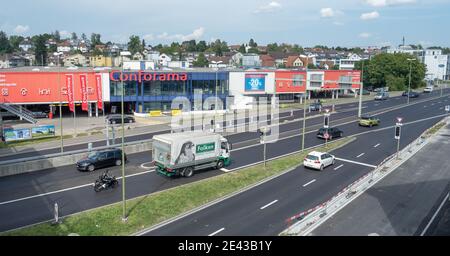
{"type": "Point", "coordinates": [146, 76]}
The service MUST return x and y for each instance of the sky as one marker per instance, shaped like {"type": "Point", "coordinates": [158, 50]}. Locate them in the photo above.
{"type": "Point", "coordinates": [346, 23]}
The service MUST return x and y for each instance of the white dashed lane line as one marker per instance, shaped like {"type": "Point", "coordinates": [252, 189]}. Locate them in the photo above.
{"type": "Point", "coordinates": [217, 232]}
{"type": "Point", "coordinates": [309, 183]}
{"type": "Point", "coordinates": [337, 168]}
{"type": "Point", "coordinates": [354, 162]}
{"type": "Point", "coordinates": [360, 155]}
{"type": "Point", "coordinates": [269, 204]}
{"type": "Point", "coordinates": [377, 145]}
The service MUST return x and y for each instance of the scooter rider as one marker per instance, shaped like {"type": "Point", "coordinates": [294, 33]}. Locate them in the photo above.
{"type": "Point", "coordinates": [105, 177]}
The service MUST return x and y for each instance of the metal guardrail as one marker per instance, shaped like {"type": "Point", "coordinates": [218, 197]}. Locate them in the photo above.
{"type": "Point", "coordinates": [315, 215]}
{"type": "Point", "coordinates": [74, 152]}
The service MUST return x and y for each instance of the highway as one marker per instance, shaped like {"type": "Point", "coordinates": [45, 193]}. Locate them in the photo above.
{"type": "Point", "coordinates": [25, 196]}
{"type": "Point", "coordinates": [263, 210]}
{"type": "Point", "coordinates": [283, 115]}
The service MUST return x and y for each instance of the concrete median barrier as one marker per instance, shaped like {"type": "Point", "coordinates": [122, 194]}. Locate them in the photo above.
{"type": "Point", "coordinates": [55, 161]}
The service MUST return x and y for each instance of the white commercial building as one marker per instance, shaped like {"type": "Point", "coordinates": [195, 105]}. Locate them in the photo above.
{"type": "Point", "coordinates": [438, 65]}
{"type": "Point", "coordinates": [349, 63]}
{"type": "Point", "coordinates": [246, 87]}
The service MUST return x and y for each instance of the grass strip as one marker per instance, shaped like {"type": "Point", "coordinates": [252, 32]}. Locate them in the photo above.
{"type": "Point", "coordinates": [149, 210]}
{"type": "Point", "coordinates": [435, 128]}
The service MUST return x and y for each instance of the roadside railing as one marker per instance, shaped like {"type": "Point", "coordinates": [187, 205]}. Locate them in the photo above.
{"type": "Point", "coordinates": [304, 222]}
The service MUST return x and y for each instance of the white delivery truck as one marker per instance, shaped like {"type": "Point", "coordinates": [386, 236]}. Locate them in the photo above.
{"type": "Point", "coordinates": [183, 153]}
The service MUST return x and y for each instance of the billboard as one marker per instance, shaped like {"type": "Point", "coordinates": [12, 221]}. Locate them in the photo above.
{"type": "Point", "coordinates": [43, 131]}
{"type": "Point", "coordinates": [11, 134]}
{"type": "Point", "coordinates": [46, 87]}
{"type": "Point", "coordinates": [255, 82]}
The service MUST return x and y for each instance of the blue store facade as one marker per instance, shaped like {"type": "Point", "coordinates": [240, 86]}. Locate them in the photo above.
{"type": "Point", "coordinates": [148, 91]}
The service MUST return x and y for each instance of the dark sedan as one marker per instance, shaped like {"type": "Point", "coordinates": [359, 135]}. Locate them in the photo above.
{"type": "Point", "coordinates": [117, 119]}
{"type": "Point", "coordinates": [332, 133]}
{"type": "Point", "coordinates": [100, 159]}
{"type": "Point", "coordinates": [412, 94]}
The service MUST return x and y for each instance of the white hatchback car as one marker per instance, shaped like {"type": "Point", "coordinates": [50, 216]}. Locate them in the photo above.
{"type": "Point", "coordinates": [318, 160]}
{"type": "Point", "coordinates": [428, 89]}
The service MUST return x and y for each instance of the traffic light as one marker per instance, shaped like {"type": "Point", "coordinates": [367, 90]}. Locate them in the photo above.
{"type": "Point", "coordinates": [397, 132]}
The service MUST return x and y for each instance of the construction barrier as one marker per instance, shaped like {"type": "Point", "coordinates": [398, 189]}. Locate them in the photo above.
{"type": "Point", "coordinates": [156, 113]}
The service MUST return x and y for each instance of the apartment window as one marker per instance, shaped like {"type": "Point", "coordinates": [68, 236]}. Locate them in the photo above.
{"type": "Point", "coordinates": [316, 80]}
{"type": "Point", "coordinates": [297, 80]}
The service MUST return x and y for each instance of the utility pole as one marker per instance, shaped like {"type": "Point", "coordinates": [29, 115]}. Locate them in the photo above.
{"type": "Point", "coordinates": [361, 90]}
{"type": "Point", "coordinates": [409, 85]}
{"type": "Point", "coordinates": [124, 212]}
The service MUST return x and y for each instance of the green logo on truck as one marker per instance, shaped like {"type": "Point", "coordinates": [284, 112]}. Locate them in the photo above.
{"type": "Point", "coordinates": [204, 148]}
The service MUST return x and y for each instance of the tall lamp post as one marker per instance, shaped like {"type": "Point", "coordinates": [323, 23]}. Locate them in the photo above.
{"type": "Point", "coordinates": [124, 213]}
{"type": "Point", "coordinates": [361, 86]}
{"type": "Point", "coordinates": [60, 102]}
{"type": "Point", "coordinates": [304, 116]}
{"type": "Point", "coordinates": [409, 84]}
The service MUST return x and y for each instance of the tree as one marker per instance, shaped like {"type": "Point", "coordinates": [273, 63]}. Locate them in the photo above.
{"type": "Point", "coordinates": [242, 49]}
{"type": "Point", "coordinates": [201, 61]}
{"type": "Point", "coordinates": [252, 43]}
{"type": "Point", "coordinates": [297, 49]}
{"type": "Point", "coordinates": [84, 37]}
{"type": "Point", "coordinates": [74, 36]}
{"type": "Point", "coordinates": [57, 36]}
{"type": "Point", "coordinates": [253, 50]}
{"type": "Point", "coordinates": [201, 46]}
{"type": "Point", "coordinates": [143, 43]}
{"type": "Point", "coordinates": [311, 66]}
{"type": "Point", "coordinates": [134, 45]}
{"type": "Point", "coordinates": [95, 40]}
{"type": "Point", "coordinates": [5, 46]}
{"type": "Point", "coordinates": [273, 47]}
{"type": "Point", "coordinates": [40, 50]}
{"type": "Point", "coordinates": [15, 41]}
{"type": "Point", "coordinates": [392, 69]}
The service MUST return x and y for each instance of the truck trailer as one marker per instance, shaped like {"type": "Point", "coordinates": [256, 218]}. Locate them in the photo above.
{"type": "Point", "coordinates": [181, 154]}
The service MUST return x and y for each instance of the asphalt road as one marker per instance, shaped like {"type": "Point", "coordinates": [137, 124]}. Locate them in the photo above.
{"type": "Point", "coordinates": [263, 210]}
{"type": "Point", "coordinates": [404, 202]}
{"type": "Point", "coordinates": [145, 136]}
{"type": "Point", "coordinates": [71, 200]}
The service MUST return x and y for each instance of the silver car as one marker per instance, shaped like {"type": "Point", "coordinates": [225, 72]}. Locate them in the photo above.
{"type": "Point", "coordinates": [382, 96]}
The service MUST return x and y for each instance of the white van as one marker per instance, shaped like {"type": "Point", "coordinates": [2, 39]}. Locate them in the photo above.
{"type": "Point", "coordinates": [428, 89]}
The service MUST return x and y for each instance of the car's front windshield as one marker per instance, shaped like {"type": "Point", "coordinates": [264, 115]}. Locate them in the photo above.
{"type": "Point", "coordinates": [93, 155]}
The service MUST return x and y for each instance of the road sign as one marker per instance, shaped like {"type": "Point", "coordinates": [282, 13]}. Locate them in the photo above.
{"type": "Point", "coordinates": [399, 119]}
{"type": "Point", "coordinates": [326, 136]}
{"type": "Point", "coordinates": [447, 108]}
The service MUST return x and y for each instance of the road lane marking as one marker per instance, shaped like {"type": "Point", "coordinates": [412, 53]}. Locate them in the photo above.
{"type": "Point", "coordinates": [376, 146]}
{"type": "Point", "coordinates": [360, 155]}
{"type": "Point", "coordinates": [241, 167]}
{"type": "Point", "coordinates": [309, 183]}
{"type": "Point", "coordinates": [340, 166]}
{"type": "Point", "coordinates": [434, 215]}
{"type": "Point", "coordinates": [269, 204]}
{"type": "Point", "coordinates": [143, 166]}
{"type": "Point", "coordinates": [66, 189]}
{"type": "Point", "coordinates": [224, 170]}
{"type": "Point", "coordinates": [217, 232]}
{"type": "Point", "coordinates": [354, 162]}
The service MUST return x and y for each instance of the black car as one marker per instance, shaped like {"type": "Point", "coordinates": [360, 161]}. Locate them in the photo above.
{"type": "Point", "coordinates": [412, 94]}
{"type": "Point", "coordinates": [332, 133]}
{"type": "Point", "coordinates": [316, 106]}
{"type": "Point", "coordinates": [100, 159]}
{"type": "Point", "coordinates": [117, 119]}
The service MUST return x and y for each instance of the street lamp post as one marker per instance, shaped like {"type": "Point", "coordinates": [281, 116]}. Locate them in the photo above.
{"type": "Point", "coordinates": [124, 213]}
{"type": "Point", "coordinates": [60, 102]}
{"type": "Point", "coordinates": [361, 90]}
{"type": "Point", "coordinates": [304, 121]}
{"type": "Point", "coordinates": [409, 84]}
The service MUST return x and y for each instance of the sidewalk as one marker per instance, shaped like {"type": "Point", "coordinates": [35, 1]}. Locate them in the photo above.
{"type": "Point", "coordinates": [401, 203]}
